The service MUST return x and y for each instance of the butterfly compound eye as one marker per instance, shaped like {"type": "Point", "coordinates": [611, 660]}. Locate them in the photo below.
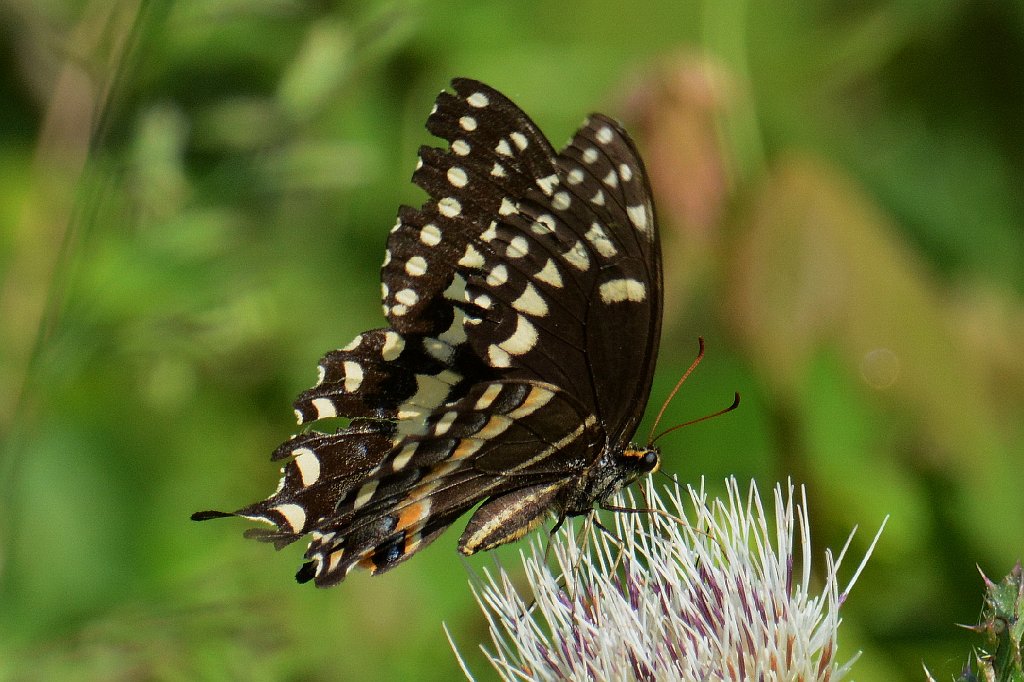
{"type": "Point", "coordinates": [650, 460]}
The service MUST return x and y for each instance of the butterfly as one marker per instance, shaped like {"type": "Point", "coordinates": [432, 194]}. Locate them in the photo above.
{"type": "Point", "coordinates": [524, 306]}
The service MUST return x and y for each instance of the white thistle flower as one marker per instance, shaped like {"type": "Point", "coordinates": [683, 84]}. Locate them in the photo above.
{"type": "Point", "coordinates": [723, 593]}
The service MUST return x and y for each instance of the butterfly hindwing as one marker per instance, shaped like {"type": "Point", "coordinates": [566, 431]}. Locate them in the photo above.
{"type": "Point", "coordinates": [374, 376]}
{"type": "Point", "coordinates": [431, 478]}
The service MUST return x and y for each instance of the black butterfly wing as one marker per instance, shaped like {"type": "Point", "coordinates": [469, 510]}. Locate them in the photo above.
{"type": "Point", "coordinates": [567, 280]}
{"type": "Point", "coordinates": [523, 300]}
{"type": "Point", "coordinates": [605, 174]}
{"type": "Point", "coordinates": [369, 498]}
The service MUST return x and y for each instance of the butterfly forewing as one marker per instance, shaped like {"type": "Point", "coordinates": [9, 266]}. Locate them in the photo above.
{"type": "Point", "coordinates": [623, 321]}
{"type": "Point", "coordinates": [524, 306]}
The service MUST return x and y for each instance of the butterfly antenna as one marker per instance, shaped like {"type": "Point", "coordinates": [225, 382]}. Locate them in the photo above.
{"type": "Point", "coordinates": [664, 405]}
{"type": "Point", "coordinates": [735, 404]}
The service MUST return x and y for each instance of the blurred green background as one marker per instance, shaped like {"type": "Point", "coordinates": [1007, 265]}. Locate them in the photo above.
{"type": "Point", "coordinates": [194, 205]}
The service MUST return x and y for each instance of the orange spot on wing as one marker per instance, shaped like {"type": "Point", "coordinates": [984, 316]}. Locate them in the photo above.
{"type": "Point", "coordinates": [412, 514]}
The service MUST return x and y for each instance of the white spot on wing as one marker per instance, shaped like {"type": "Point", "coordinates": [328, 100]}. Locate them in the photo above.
{"type": "Point", "coordinates": [491, 232]}
{"type": "Point", "coordinates": [518, 247]}
{"type": "Point", "coordinates": [456, 333]}
{"type": "Point", "coordinates": [589, 155]}
{"type": "Point", "coordinates": [577, 257]}
{"type": "Point", "coordinates": [523, 339]}
{"type": "Point", "coordinates": [432, 390]}
{"type": "Point", "coordinates": [599, 239]}
{"type": "Point", "coordinates": [294, 515]}
{"type": "Point", "coordinates": [604, 135]}
{"type": "Point", "coordinates": [618, 290]}
{"type": "Point", "coordinates": [507, 207]}
{"type": "Point", "coordinates": [410, 423]}
{"type": "Point", "coordinates": [438, 349]}
{"type": "Point", "coordinates": [625, 172]}
{"type": "Point", "coordinates": [478, 100]}
{"type": "Point", "coordinates": [461, 148]}
{"type": "Point", "coordinates": [365, 493]}
{"type": "Point", "coordinates": [407, 297]}
{"type": "Point", "coordinates": [308, 465]}
{"type": "Point", "coordinates": [467, 123]}
{"type": "Point", "coordinates": [547, 184]}
{"type": "Point", "coordinates": [445, 423]}
{"type": "Point", "coordinates": [393, 346]}
{"type": "Point", "coordinates": [416, 266]}
{"type": "Point", "coordinates": [519, 140]}
{"type": "Point", "coordinates": [457, 177]}
{"type": "Point", "coordinates": [430, 234]}
{"type": "Point", "coordinates": [449, 207]}
{"type": "Point", "coordinates": [324, 408]}
{"type": "Point", "coordinates": [503, 147]}
{"type": "Point", "coordinates": [497, 276]}
{"type": "Point", "coordinates": [322, 538]}
{"type": "Point", "coordinates": [456, 291]}
{"type": "Point", "coordinates": [402, 458]}
{"type": "Point", "coordinates": [549, 274]}
{"type": "Point", "coordinates": [487, 397]}
{"type": "Point", "coordinates": [561, 201]}
{"type": "Point", "coordinates": [544, 224]}
{"type": "Point", "coordinates": [612, 180]}
{"type": "Point", "coordinates": [472, 258]}
{"type": "Point", "coordinates": [332, 561]}
{"type": "Point", "coordinates": [531, 302]}
{"type": "Point", "coordinates": [353, 376]}
{"type": "Point", "coordinates": [575, 176]}
{"type": "Point", "coordinates": [638, 216]}
{"type": "Point", "coordinates": [498, 357]}
{"type": "Point", "coordinates": [354, 343]}
{"type": "Point", "coordinates": [537, 398]}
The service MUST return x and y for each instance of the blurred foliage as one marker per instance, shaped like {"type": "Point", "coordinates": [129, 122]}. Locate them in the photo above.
{"type": "Point", "coordinates": [195, 201]}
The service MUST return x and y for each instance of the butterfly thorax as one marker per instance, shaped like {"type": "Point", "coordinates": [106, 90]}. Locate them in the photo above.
{"type": "Point", "coordinates": [615, 468]}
